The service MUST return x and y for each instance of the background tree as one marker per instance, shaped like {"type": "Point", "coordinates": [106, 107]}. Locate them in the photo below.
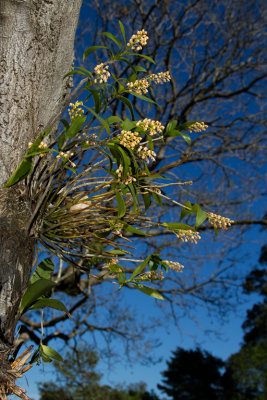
{"type": "Point", "coordinates": [249, 365]}
{"type": "Point", "coordinates": [196, 374]}
{"type": "Point", "coordinates": [80, 381]}
{"type": "Point", "coordinates": [192, 375]}
{"type": "Point", "coordinates": [216, 55]}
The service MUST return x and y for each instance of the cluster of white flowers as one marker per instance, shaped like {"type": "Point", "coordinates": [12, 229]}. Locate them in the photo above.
{"type": "Point", "coordinates": [66, 156]}
{"type": "Point", "coordinates": [117, 228]}
{"type": "Point", "coordinates": [113, 261]}
{"type": "Point", "coordinates": [198, 127]}
{"type": "Point", "coordinates": [150, 276]}
{"type": "Point", "coordinates": [102, 73]}
{"type": "Point", "coordinates": [113, 269]}
{"type": "Point", "coordinates": [141, 85]}
{"type": "Point", "coordinates": [188, 235]}
{"type": "Point", "coordinates": [90, 138]}
{"type": "Point", "coordinates": [218, 221]}
{"type": "Point", "coordinates": [42, 146]}
{"type": "Point", "coordinates": [119, 171]}
{"type": "Point", "coordinates": [129, 139]}
{"type": "Point", "coordinates": [129, 178]}
{"type": "Point", "coordinates": [161, 77]}
{"type": "Point", "coordinates": [138, 40]}
{"type": "Point", "coordinates": [150, 125]}
{"type": "Point", "coordinates": [144, 153]}
{"type": "Point", "coordinates": [155, 189]}
{"type": "Point", "coordinates": [174, 265]}
{"type": "Point", "coordinates": [74, 110]}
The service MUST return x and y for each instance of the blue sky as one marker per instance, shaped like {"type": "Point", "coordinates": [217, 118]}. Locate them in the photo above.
{"type": "Point", "coordinates": [122, 373]}
{"type": "Point", "coordinates": [223, 340]}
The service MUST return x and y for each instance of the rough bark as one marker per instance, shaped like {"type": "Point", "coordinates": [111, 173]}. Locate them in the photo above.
{"type": "Point", "coordinates": [36, 47]}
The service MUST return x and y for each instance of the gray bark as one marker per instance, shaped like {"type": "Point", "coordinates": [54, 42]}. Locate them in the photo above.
{"type": "Point", "coordinates": [36, 48]}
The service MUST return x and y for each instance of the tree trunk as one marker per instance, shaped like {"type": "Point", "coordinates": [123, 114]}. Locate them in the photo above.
{"type": "Point", "coordinates": [36, 47]}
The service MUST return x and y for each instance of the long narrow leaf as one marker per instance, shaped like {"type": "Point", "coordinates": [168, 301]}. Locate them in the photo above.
{"type": "Point", "coordinates": [121, 204]}
{"type": "Point", "coordinates": [112, 37]}
{"type": "Point", "coordinates": [140, 268]}
{"type": "Point", "coordinates": [149, 291]}
{"type": "Point", "coordinates": [123, 32]}
{"type": "Point", "coordinates": [91, 49]}
{"type": "Point", "coordinates": [21, 173]}
{"type": "Point", "coordinates": [128, 104]}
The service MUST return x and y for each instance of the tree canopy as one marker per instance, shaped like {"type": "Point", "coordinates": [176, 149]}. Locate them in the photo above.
{"type": "Point", "coordinates": [80, 381]}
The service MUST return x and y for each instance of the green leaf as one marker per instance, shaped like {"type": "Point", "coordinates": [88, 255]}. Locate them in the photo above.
{"type": "Point", "coordinates": [128, 104]}
{"type": "Point", "coordinates": [21, 173]}
{"type": "Point", "coordinates": [127, 125]}
{"type": "Point", "coordinates": [140, 268]}
{"type": "Point", "coordinates": [61, 140]}
{"type": "Point", "coordinates": [112, 37]}
{"type": "Point", "coordinates": [155, 262]}
{"type": "Point", "coordinates": [141, 55]}
{"type": "Point", "coordinates": [112, 119]}
{"type": "Point", "coordinates": [157, 199]}
{"type": "Point", "coordinates": [46, 133]}
{"type": "Point", "coordinates": [186, 137]}
{"type": "Point", "coordinates": [121, 88]}
{"type": "Point", "coordinates": [147, 200]}
{"type": "Point", "coordinates": [185, 126]}
{"type": "Point", "coordinates": [131, 229]}
{"type": "Point", "coordinates": [139, 69]}
{"type": "Point", "coordinates": [97, 99]}
{"type": "Point", "coordinates": [185, 211]}
{"type": "Point", "coordinates": [103, 122]}
{"type": "Point", "coordinates": [132, 77]}
{"type": "Point", "coordinates": [75, 126]}
{"type": "Point", "coordinates": [149, 291]}
{"type": "Point", "coordinates": [201, 216]}
{"type": "Point", "coordinates": [123, 32]}
{"type": "Point", "coordinates": [91, 49]}
{"type": "Point", "coordinates": [113, 148]}
{"type": "Point", "coordinates": [74, 72]}
{"type": "Point", "coordinates": [51, 303]}
{"type": "Point", "coordinates": [150, 142]}
{"type": "Point", "coordinates": [117, 252]}
{"type": "Point", "coordinates": [175, 133]}
{"type": "Point", "coordinates": [125, 161]}
{"type": "Point", "coordinates": [176, 226]}
{"type": "Point", "coordinates": [86, 71]}
{"type": "Point", "coordinates": [121, 204]}
{"type": "Point", "coordinates": [171, 125]}
{"type": "Point", "coordinates": [34, 291]}
{"type": "Point", "coordinates": [45, 358]}
{"type": "Point", "coordinates": [134, 195]}
{"type": "Point", "coordinates": [65, 123]}
{"type": "Point", "coordinates": [48, 352]}
{"type": "Point", "coordinates": [141, 96]}
{"type": "Point", "coordinates": [43, 271]}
